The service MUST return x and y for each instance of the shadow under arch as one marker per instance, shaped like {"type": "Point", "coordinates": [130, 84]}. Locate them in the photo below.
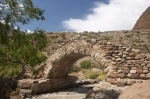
{"type": "Point", "coordinates": [62, 67]}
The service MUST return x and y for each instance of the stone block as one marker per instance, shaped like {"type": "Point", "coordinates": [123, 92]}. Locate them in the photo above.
{"type": "Point", "coordinates": [129, 75]}
{"type": "Point", "coordinates": [148, 65]}
{"type": "Point", "coordinates": [126, 69]}
{"type": "Point", "coordinates": [142, 76]}
{"type": "Point", "coordinates": [148, 75]}
{"type": "Point", "coordinates": [139, 71]}
{"type": "Point", "coordinates": [121, 82]}
{"type": "Point", "coordinates": [145, 71]}
{"type": "Point", "coordinates": [134, 68]}
{"type": "Point", "coordinates": [130, 81]}
{"type": "Point", "coordinates": [112, 74]}
{"type": "Point", "coordinates": [135, 76]}
{"type": "Point", "coordinates": [133, 71]}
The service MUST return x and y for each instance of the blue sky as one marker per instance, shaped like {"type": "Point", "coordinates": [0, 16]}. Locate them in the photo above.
{"type": "Point", "coordinates": [57, 11]}
{"type": "Point", "coordinates": [88, 15]}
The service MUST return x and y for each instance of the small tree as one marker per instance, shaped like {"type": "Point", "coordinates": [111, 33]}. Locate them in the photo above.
{"type": "Point", "coordinates": [20, 48]}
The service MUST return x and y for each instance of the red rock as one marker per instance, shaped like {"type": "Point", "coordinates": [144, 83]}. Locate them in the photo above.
{"type": "Point", "coordinates": [139, 71]}
{"type": "Point", "coordinates": [144, 21]}
{"type": "Point", "coordinates": [137, 91]}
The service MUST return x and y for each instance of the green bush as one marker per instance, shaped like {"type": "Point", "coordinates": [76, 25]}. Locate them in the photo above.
{"type": "Point", "coordinates": [75, 68]}
{"type": "Point", "coordinates": [102, 76]}
{"type": "Point", "coordinates": [85, 64]}
{"type": "Point", "coordinates": [91, 74]}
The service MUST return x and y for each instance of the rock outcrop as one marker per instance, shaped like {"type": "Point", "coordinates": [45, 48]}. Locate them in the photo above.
{"type": "Point", "coordinates": [137, 91]}
{"type": "Point", "coordinates": [144, 21]}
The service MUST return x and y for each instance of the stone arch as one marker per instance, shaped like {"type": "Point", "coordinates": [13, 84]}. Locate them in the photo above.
{"type": "Point", "coordinates": [118, 61]}
{"type": "Point", "coordinates": [61, 61]}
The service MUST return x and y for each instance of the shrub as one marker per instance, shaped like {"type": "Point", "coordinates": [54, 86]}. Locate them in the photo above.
{"type": "Point", "coordinates": [102, 76]}
{"type": "Point", "coordinates": [75, 68]}
{"type": "Point", "coordinates": [105, 37]}
{"type": "Point", "coordinates": [91, 74]}
{"type": "Point", "coordinates": [85, 64]}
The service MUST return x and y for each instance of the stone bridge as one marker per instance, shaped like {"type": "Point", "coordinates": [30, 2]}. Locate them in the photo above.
{"type": "Point", "coordinates": [120, 63]}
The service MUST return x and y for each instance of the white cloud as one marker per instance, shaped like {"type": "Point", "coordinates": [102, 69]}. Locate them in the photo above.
{"type": "Point", "coordinates": [117, 15]}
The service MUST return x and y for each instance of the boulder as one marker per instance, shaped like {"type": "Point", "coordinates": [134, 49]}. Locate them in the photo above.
{"type": "Point", "coordinates": [137, 91]}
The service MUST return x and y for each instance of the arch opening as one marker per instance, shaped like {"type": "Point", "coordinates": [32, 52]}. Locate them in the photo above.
{"type": "Point", "coordinates": [62, 67]}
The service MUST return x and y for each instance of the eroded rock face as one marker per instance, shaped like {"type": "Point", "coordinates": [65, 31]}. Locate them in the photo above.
{"type": "Point", "coordinates": [144, 21]}
{"type": "Point", "coordinates": [137, 91]}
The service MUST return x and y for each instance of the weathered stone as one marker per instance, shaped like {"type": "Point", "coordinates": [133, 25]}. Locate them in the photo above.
{"type": "Point", "coordinates": [143, 64]}
{"type": "Point", "coordinates": [118, 59]}
{"type": "Point", "coordinates": [121, 82]}
{"type": "Point", "coordinates": [120, 54]}
{"type": "Point", "coordinates": [146, 62]}
{"type": "Point", "coordinates": [145, 68]}
{"type": "Point", "coordinates": [131, 65]}
{"type": "Point", "coordinates": [120, 71]}
{"type": "Point", "coordinates": [117, 56]}
{"type": "Point", "coordinates": [106, 70]}
{"type": "Point", "coordinates": [25, 84]}
{"type": "Point", "coordinates": [124, 56]}
{"type": "Point", "coordinates": [148, 65]}
{"type": "Point", "coordinates": [140, 56]}
{"type": "Point", "coordinates": [114, 68]}
{"type": "Point", "coordinates": [139, 71]}
{"type": "Point", "coordinates": [109, 43]}
{"type": "Point", "coordinates": [148, 75]}
{"type": "Point", "coordinates": [132, 71]}
{"type": "Point", "coordinates": [145, 71]}
{"type": "Point", "coordinates": [112, 74]}
{"type": "Point", "coordinates": [112, 81]}
{"type": "Point", "coordinates": [108, 57]}
{"type": "Point", "coordinates": [136, 51]}
{"type": "Point", "coordinates": [135, 76]}
{"type": "Point", "coordinates": [116, 52]}
{"type": "Point", "coordinates": [129, 75]}
{"type": "Point", "coordinates": [139, 81]}
{"type": "Point", "coordinates": [93, 41]}
{"type": "Point", "coordinates": [131, 54]}
{"type": "Point", "coordinates": [142, 76]}
{"type": "Point", "coordinates": [129, 58]}
{"type": "Point", "coordinates": [122, 75]}
{"type": "Point", "coordinates": [126, 53]}
{"type": "Point", "coordinates": [126, 69]}
{"type": "Point", "coordinates": [137, 65]}
{"type": "Point", "coordinates": [128, 49]}
{"type": "Point", "coordinates": [134, 68]}
{"type": "Point", "coordinates": [130, 81]}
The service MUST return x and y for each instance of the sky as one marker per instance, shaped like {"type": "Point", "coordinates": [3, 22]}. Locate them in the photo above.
{"type": "Point", "coordinates": [88, 15]}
